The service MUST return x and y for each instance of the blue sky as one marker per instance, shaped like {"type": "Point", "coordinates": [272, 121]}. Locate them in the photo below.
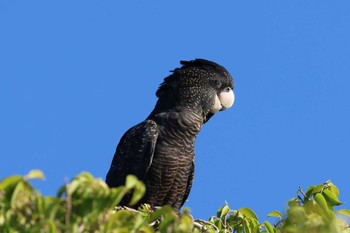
{"type": "Point", "coordinates": [75, 75]}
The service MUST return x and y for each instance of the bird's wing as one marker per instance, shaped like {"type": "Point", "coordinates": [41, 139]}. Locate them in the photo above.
{"type": "Point", "coordinates": [189, 184]}
{"type": "Point", "coordinates": [134, 153]}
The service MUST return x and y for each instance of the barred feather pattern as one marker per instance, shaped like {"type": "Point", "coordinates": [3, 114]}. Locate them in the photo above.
{"type": "Point", "coordinates": [170, 177]}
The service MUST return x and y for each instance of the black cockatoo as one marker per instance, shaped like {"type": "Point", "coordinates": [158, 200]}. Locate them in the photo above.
{"type": "Point", "coordinates": [160, 150]}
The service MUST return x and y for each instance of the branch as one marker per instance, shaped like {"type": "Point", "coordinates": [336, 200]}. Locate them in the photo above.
{"type": "Point", "coordinates": [201, 225]}
{"type": "Point", "coordinates": [68, 204]}
{"type": "Point", "coordinates": [198, 223]}
{"type": "Point", "coordinates": [301, 191]}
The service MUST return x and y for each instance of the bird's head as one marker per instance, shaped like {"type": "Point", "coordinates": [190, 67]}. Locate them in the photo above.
{"type": "Point", "coordinates": [199, 85]}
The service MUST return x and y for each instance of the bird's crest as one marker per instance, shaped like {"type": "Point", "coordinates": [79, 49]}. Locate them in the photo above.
{"type": "Point", "coordinates": [171, 82]}
{"type": "Point", "coordinates": [199, 63]}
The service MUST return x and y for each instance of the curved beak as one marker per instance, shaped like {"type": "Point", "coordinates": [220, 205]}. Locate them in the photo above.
{"type": "Point", "coordinates": [227, 98]}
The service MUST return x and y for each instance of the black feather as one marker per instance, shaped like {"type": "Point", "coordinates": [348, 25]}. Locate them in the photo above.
{"type": "Point", "coordinates": [160, 150]}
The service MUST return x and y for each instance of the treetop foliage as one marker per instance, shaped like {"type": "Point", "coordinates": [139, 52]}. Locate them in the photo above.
{"type": "Point", "coordinates": [87, 204]}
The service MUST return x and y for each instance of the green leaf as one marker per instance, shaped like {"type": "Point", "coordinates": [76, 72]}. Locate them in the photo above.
{"type": "Point", "coordinates": [73, 186]}
{"type": "Point", "coordinates": [52, 226]}
{"type": "Point", "coordinates": [322, 203]}
{"type": "Point", "coordinates": [318, 189]}
{"type": "Point", "coordinates": [167, 224]}
{"type": "Point", "coordinates": [248, 213]}
{"type": "Point", "coordinates": [293, 202]}
{"type": "Point", "coordinates": [117, 195]}
{"type": "Point", "coordinates": [218, 212]}
{"type": "Point", "coordinates": [131, 181]}
{"type": "Point", "coordinates": [212, 219]}
{"type": "Point", "coordinates": [61, 191]}
{"type": "Point", "coordinates": [39, 203]}
{"type": "Point", "coordinates": [185, 223]}
{"type": "Point", "coordinates": [166, 210]}
{"type": "Point", "coordinates": [246, 226]}
{"type": "Point", "coordinates": [85, 177]}
{"type": "Point", "coordinates": [344, 212]}
{"type": "Point", "coordinates": [10, 182]}
{"type": "Point", "coordinates": [296, 213]}
{"type": "Point", "coordinates": [309, 191]}
{"type": "Point", "coordinates": [35, 174]}
{"type": "Point", "coordinates": [331, 197]}
{"type": "Point", "coordinates": [16, 194]}
{"type": "Point", "coordinates": [333, 188]}
{"type": "Point", "coordinates": [218, 223]}
{"type": "Point", "coordinates": [275, 213]}
{"type": "Point", "coordinates": [269, 227]}
{"type": "Point", "coordinates": [52, 206]}
{"type": "Point", "coordinates": [138, 193]}
{"type": "Point", "coordinates": [254, 225]}
{"type": "Point", "coordinates": [224, 211]}
{"type": "Point", "coordinates": [234, 219]}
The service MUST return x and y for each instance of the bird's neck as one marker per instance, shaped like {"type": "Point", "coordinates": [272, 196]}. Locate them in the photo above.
{"type": "Point", "coordinates": [179, 120]}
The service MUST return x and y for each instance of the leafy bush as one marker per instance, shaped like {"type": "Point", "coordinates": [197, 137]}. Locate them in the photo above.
{"type": "Point", "coordinates": [87, 204]}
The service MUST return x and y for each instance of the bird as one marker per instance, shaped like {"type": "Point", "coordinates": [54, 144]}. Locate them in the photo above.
{"type": "Point", "coordinates": [159, 151]}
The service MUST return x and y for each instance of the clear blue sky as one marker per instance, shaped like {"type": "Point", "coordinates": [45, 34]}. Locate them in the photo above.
{"type": "Point", "coordinates": [75, 75]}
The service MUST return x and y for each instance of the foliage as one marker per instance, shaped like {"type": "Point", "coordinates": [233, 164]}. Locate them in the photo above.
{"type": "Point", "coordinates": [310, 212]}
{"type": "Point", "coordinates": [87, 204]}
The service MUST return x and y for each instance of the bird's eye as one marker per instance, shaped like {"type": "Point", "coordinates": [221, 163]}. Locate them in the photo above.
{"type": "Point", "coordinates": [227, 89]}
{"type": "Point", "coordinates": [215, 83]}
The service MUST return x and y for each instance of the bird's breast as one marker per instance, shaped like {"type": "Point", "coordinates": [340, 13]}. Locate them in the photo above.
{"type": "Point", "coordinates": [177, 132]}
